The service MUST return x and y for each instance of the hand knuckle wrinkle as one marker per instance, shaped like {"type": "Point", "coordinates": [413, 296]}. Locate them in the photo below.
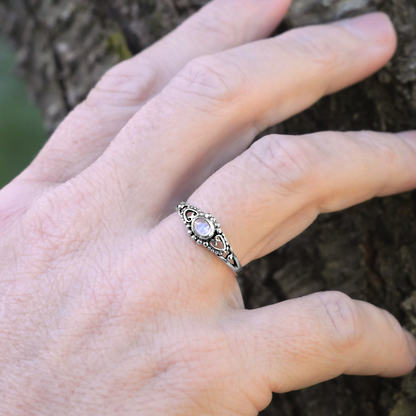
{"type": "Point", "coordinates": [126, 84]}
{"type": "Point", "coordinates": [314, 44]}
{"type": "Point", "coordinates": [344, 319]}
{"type": "Point", "coordinates": [216, 24]}
{"type": "Point", "coordinates": [216, 80]}
{"type": "Point", "coordinates": [284, 162]}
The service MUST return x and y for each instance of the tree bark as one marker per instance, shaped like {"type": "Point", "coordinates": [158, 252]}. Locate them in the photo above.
{"type": "Point", "coordinates": [368, 252]}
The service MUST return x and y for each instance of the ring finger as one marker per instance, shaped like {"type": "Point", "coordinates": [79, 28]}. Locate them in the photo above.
{"type": "Point", "coordinates": [275, 190]}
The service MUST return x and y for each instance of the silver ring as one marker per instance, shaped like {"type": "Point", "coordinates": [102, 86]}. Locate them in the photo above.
{"type": "Point", "coordinates": [204, 229]}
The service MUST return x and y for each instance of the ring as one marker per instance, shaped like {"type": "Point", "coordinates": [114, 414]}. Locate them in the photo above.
{"type": "Point", "coordinates": [206, 231]}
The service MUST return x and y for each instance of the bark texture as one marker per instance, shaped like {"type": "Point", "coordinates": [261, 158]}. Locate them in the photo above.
{"type": "Point", "coordinates": [368, 252]}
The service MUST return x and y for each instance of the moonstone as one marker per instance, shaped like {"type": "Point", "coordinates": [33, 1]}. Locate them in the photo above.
{"type": "Point", "coordinates": [202, 227]}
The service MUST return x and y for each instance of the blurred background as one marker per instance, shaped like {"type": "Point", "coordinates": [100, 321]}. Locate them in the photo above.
{"type": "Point", "coordinates": [21, 127]}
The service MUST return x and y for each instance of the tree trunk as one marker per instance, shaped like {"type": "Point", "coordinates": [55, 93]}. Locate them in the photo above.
{"type": "Point", "coordinates": [368, 251]}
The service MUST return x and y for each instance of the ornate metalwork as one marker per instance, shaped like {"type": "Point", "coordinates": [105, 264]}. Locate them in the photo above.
{"type": "Point", "coordinates": [204, 229]}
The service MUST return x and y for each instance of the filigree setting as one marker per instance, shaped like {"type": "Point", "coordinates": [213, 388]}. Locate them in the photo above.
{"type": "Point", "coordinates": [204, 229]}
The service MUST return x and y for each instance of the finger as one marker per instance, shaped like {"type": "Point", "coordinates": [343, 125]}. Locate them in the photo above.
{"type": "Point", "coordinates": [213, 109]}
{"type": "Point", "coordinates": [301, 342]}
{"type": "Point", "coordinates": [276, 188]}
{"type": "Point", "coordinates": [87, 131]}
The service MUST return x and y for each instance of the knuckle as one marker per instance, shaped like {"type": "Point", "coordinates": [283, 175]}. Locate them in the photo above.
{"type": "Point", "coordinates": [204, 353]}
{"type": "Point", "coordinates": [215, 21]}
{"type": "Point", "coordinates": [286, 163]}
{"type": "Point", "coordinates": [382, 147]}
{"type": "Point", "coordinates": [343, 319]}
{"type": "Point", "coordinates": [216, 80]}
{"type": "Point", "coordinates": [128, 83]}
{"type": "Point", "coordinates": [14, 200]}
{"type": "Point", "coordinates": [314, 44]}
{"type": "Point", "coordinates": [46, 219]}
{"type": "Point", "coordinates": [58, 221]}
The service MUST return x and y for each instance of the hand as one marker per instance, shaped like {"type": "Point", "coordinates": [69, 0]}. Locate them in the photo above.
{"type": "Point", "coordinates": [109, 308]}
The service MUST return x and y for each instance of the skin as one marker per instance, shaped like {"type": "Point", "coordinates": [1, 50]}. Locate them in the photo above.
{"type": "Point", "coordinates": [109, 308]}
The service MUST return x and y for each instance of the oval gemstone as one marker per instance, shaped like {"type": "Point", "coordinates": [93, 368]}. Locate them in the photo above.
{"type": "Point", "coordinates": [202, 227]}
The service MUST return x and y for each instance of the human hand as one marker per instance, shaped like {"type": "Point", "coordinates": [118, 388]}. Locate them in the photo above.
{"type": "Point", "coordinates": [108, 308]}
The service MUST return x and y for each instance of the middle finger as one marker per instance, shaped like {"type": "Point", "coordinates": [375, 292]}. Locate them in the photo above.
{"type": "Point", "coordinates": [213, 109]}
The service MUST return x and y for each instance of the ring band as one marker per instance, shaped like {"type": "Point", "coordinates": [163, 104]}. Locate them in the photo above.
{"type": "Point", "coordinates": [205, 230]}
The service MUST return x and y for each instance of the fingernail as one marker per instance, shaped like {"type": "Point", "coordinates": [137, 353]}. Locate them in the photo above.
{"type": "Point", "coordinates": [411, 341]}
{"type": "Point", "coordinates": [374, 26]}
